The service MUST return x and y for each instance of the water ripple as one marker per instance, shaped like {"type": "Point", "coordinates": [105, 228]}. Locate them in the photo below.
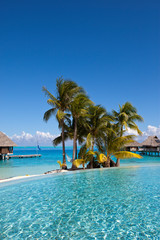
{"type": "Point", "coordinates": [114, 204]}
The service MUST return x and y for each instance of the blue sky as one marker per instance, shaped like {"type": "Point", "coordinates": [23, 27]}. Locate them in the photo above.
{"type": "Point", "coordinates": [111, 48]}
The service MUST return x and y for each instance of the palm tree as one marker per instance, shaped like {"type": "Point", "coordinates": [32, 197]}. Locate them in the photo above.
{"type": "Point", "coordinates": [111, 148]}
{"type": "Point", "coordinates": [66, 91]}
{"type": "Point", "coordinates": [69, 134]}
{"type": "Point", "coordinates": [125, 118]}
{"type": "Point", "coordinates": [113, 145]}
{"type": "Point", "coordinates": [97, 124]}
{"type": "Point", "coordinates": [86, 156]}
{"type": "Point", "coordinates": [79, 112]}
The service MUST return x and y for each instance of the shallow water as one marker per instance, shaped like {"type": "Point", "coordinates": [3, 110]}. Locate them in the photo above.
{"type": "Point", "coordinates": [94, 204]}
{"type": "Point", "coordinates": [24, 166]}
{"type": "Point", "coordinates": [48, 161]}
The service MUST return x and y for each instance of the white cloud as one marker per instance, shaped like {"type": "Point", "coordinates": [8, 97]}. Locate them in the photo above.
{"type": "Point", "coordinates": [45, 138]}
{"type": "Point", "coordinates": [27, 139]}
{"type": "Point", "coordinates": [131, 132]}
{"type": "Point", "coordinates": [150, 131]}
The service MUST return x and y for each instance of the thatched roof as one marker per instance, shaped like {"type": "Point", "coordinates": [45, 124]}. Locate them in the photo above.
{"type": "Point", "coordinates": [133, 144]}
{"type": "Point", "coordinates": [6, 141]}
{"type": "Point", "coordinates": [151, 141]}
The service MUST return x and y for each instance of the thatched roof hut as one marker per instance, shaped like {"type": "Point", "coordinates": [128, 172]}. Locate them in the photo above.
{"type": "Point", "coordinates": [6, 141]}
{"type": "Point", "coordinates": [6, 145]}
{"type": "Point", "coordinates": [132, 146]}
{"type": "Point", "coordinates": [152, 143]}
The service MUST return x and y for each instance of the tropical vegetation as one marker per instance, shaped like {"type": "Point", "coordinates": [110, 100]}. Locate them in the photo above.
{"type": "Point", "coordinates": [101, 135]}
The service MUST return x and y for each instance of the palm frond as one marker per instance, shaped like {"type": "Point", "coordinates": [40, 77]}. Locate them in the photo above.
{"type": "Point", "coordinates": [89, 140]}
{"type": "Point", "coordinates": [60, 164]}
{"type": "Point", "coordinates": [58, 139]}
{"type": "Point", "coordinates": [126, 155]}
{"type": "Point", "coordinates": [133, 125]}
{"type": "Point", "coordinates": [78, 162]}
{"type": "Point", "coordinates": [49, 113]}
{"type": "Point", "coordinates": [60, 115]}
{"type": "Point", "coordinates": [136, 117]}
{"type": "Point", "coordinates": [82, 151]}
{"type": "Point", "coordinates": [102, 158]}
{"type": "Point", "coordinates": [47, 93]}
{"type": "Point", "coordinates": [53, 103]}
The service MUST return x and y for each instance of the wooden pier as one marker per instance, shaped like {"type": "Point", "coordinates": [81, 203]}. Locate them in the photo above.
{"type": "Point", "coordinates": [149, 147]}
{"type": "Point", "coordinates": [25, 156]}
{"type": "Point", "coordinates": [150, 153]}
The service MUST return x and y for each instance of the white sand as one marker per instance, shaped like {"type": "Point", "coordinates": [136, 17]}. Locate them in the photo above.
{"type": "Point", "coordinates": [29, 176]}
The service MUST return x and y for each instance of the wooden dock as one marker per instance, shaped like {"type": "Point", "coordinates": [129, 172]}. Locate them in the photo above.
{"type": "Point", "coordinates": [149, 153]}
{"type": "Point", "coordinates": [25, 156]}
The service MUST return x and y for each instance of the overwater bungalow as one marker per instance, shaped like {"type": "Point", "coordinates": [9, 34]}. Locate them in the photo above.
{"type": "Point", "coordinates": [133, 146]}
{"type": "Point", "coordinates": [151, 145]}
{"type": "Point", "coordinates": [6, 146]}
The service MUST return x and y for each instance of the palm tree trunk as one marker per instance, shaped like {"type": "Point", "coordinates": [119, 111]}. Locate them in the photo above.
{"type": "Point", "coordinates": [74, 143]}
{"type": "Point", "coordinates": [91, 165]}
{"type": "Point", "coordinates": [83, 166]}
{"type": "Point", "coordinates": [74, 139]}
{"type": "Point", "coordinates": [76, 151]}
{"type": "Point", "coordinates": [64, 166]}
{"type": "Point", "coordinates": [118, 162]}
{"type": "Point", "coordinates": [121, 132]}
{"type": "Point", "coordinates": [107, 163]}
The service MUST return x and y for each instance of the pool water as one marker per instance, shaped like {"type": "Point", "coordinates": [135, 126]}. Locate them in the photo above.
{"type": "Point", "coordinates": [119, 203]}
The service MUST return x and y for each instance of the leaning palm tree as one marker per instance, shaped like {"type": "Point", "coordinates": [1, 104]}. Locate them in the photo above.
{"type": "Point", "coordinates": [66, 91]}
{"type": "Point", "coordinates": [125, 118]}
{"type": "Point", "coordinates": [97, 123]}
{"type": "Point", "coordinates": [79, 112]}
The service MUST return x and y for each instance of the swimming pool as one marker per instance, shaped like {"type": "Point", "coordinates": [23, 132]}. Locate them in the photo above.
{"type": "Point", "coordinates": [121, 203]}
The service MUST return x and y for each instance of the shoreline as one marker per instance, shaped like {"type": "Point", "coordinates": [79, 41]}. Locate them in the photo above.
{"type": "Point", "coordinates": [19, 178]}
{"type": "Point", "coordinates": [58, 171]}
{"type": "Point", "coordinates": [30, 176]}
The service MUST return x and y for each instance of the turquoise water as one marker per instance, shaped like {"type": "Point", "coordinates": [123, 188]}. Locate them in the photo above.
{"type": "Point", "coordinates": [48, 161]}
{"type": "Point", "coordinates": [22, 166]}
{"type": "Point", "coordinates": [119, 203]}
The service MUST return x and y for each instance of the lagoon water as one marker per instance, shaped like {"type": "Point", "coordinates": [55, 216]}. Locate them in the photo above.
{"type": "Point", "coordinates": [24, 166]}
{"type": "Point", "coordinates": [48, 161]}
